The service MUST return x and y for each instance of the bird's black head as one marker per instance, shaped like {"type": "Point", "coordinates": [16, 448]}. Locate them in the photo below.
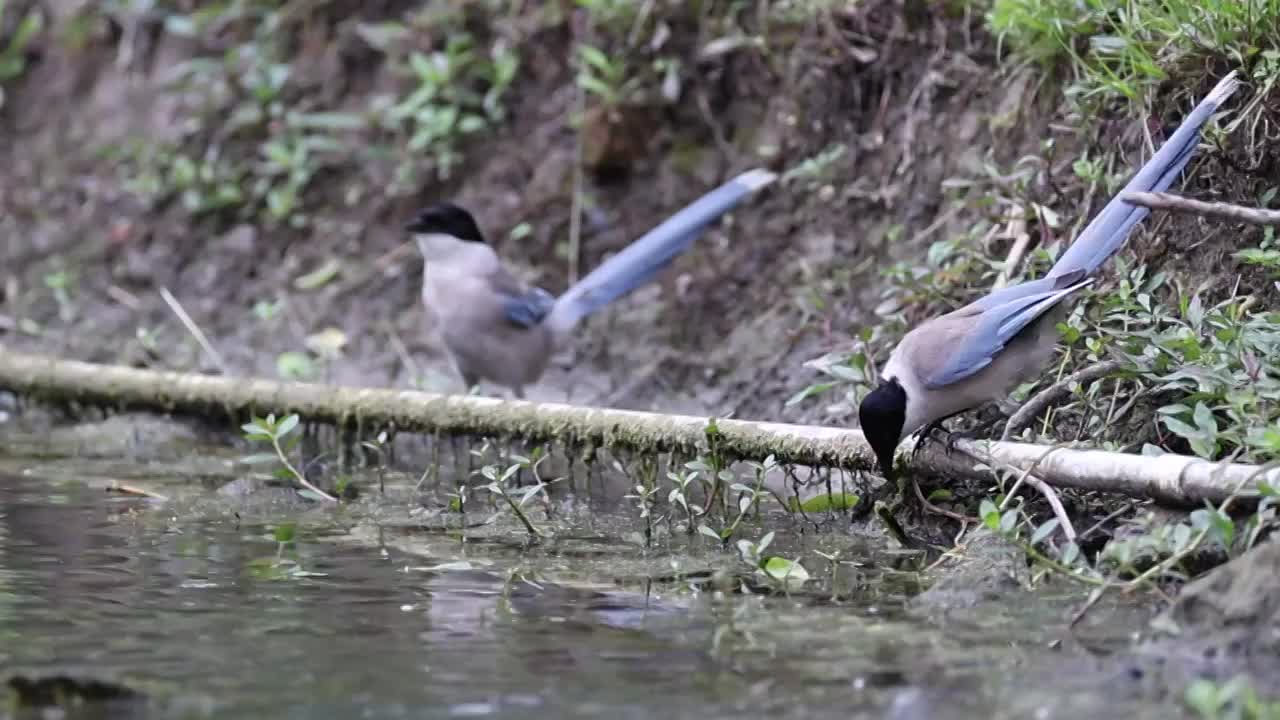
{"type": "Point", "coordinates": [882, 414]}
{"type": "Point", "coordinates": [446, 218]}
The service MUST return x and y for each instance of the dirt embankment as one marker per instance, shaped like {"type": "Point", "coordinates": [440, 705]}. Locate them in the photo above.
{"type": "Point", "coordinates": [886, 104]}
{"type": "Point", "coordinates": [909, 100]}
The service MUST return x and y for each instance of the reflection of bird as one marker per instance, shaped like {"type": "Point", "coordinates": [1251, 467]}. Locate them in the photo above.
{"type": "Point", "coordinates": [979, 352]}
{"type": "Point", "coordinates": [498, 329]}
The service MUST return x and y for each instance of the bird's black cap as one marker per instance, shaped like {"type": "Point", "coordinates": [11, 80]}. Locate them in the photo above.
{"type": "Point", "coordinates": [448, 219]}
{"type": "Point", "coordinates": [882, 414]}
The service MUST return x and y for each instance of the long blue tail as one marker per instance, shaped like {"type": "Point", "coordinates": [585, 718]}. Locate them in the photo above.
{"type": "Point", "coordinates": [643, 259]}
{"type": "Point", "coordinates": [1109, 229]}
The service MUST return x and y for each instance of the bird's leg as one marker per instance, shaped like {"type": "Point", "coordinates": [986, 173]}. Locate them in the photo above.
{"type": "Point", "coordinates": [980, 429]}
{"type": "Point", "coordinates": [926, 432]}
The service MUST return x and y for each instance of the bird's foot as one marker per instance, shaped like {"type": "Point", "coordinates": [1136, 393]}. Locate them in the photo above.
{"type": "Point", "coordinates": [973, 433]}
{"type": "Point", "coordinates": [926, 433]}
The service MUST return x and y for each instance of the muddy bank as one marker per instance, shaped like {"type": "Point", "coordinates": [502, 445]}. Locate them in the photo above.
{"type": "Point", "coordinates": [728, 329]}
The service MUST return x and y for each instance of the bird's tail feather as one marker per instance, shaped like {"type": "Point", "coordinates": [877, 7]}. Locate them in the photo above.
{"type": "Point", "coordinates": [641, 260]}
{"type": "Point", "coordinates": [1109, 229]}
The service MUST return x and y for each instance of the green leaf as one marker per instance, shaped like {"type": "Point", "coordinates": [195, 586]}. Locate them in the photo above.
{"type": "Point", "coordinates": [311, 495]}
{"type": "Point", "coordinates": [284, 533]}
{"type": "Point", "coordinates": [1203, 697]}
{"type": "Point", "coordinates": [1070, 553]}
{"type": "Point", "coordinates": [782, 569]}
{"type": "Point", "coordinates": [829, 502]}
{"type": "Point", "coordinates": [596, 58]}
{"type": "Point", "coordinates": [990, 515]}
{"type": "Point", "coordinates": [294, 366]}
{"type": "Point", "coordinates": [1008, 521]}
{"type": "Point", "coordinates": [1205, 420]}
{"type": "Point", "coordinates": [254, 430]}
{"type": "Point", "coordinates": [1044, 531]}
{"type": "Point", "coordinates": [327, 121]}
{"type": "Point", "coordinates": [287, 425]}
{"type": "Point", "coordinates": [320, 276]}
{"type": "Point", "coordinates": [260, 459]}
{"type": "Point", "coordinates": [815, 389]}
{"type": "Point", "coordinates": [704, 530]}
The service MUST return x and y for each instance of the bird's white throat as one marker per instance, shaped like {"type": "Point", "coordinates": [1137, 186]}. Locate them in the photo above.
{"type": "Point", "coordinates": [441, 250]}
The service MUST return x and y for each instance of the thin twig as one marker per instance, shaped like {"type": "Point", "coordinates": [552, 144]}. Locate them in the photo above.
{"type": "Point", "coordinates": [1111, 516]}
{"type": "Point", "coordinates": [127, 489]}
{"type": "Point", "coordinates": [194, 329]}
{"type": "Point", "coordinates": [1029, 478]}
{"type": "Point", "coordinates": [1021, 239]}
{"type": "Point", "coordinates": [275, 443]}
{"type": "Point", "coordinates": [575, 211]}
{"type": "Point", "coordinates": [1043, 399]}
{"type": "Point", "coordinates": [1220, 210]}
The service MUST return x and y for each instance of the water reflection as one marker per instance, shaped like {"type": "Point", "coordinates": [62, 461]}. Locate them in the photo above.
{"type": "Point", "coordinates": [188, 608]}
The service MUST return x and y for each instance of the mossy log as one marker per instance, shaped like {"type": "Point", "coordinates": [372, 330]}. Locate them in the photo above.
{"type": "Point", "coordinates": [1174, 479]}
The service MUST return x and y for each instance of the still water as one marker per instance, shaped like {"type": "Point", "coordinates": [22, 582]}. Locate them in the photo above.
{"type": "Point", "coordinates": [194, 605]}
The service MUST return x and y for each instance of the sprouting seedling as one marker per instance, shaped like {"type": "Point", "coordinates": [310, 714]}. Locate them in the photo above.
{"type": "Point", "coordinates": [777, 570]}
{"type": "Point", "coordinates": [272, 431]}
{"type": "Point", "coordinates": [379, 445]}
{"type": "Point", "coordinates": [644, 494]}
{"type": "Point", "coordinates": [284, 535]}
{"type": "Point", "coordinates": [680, 495]}
{"type": "Point", "coordinates": [749, 497]}
{"type": "Point", "coordinates": [833, 564]}
{"type": "Point", "coordinates": [516, 501]}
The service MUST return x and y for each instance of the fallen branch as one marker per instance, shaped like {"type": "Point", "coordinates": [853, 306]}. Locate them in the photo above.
{"type": "Point", "coordinates": [1226, 211]}
{"type": "Point", "coordinates": [1043, 399]}
{"type": "Point", "coordinates": [1175, 479]}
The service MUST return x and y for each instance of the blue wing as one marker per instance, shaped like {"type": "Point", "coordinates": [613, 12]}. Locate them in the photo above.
{"type": "Point", "coordinates": [996, 325]}
{"type": "Point", "coordinates": [643, 259]}
{"type": "Point", "coordinates": [529, 308]}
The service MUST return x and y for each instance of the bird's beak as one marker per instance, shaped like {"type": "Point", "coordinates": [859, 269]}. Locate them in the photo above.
{"type": "Point", "coordinates": [884, 459]}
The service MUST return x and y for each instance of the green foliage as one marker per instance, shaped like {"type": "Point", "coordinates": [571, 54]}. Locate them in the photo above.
{"type": "Point", "coordinates": [516, 498]}
{"type": "Point", "coordinates": [1128, 49]}
{"type": "Point", "coordinates": [1234, 699]}
{"type": "Point", "coordinates": [279, 433]}
{"type": "Point", "coordinates": [254, 139]}
{"type": "Point", "coordinates": [826, 502]}
{"type": "Point", "coordinates": [13, 49]}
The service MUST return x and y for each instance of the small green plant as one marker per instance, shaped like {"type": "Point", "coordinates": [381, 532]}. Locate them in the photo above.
{"type": "Point", "coordinates": [605, 77]}
{"type": "Point", "coordinates": [778, 571]}
{"type": "Point", "coordinates": [379, 446]}
{"type": "Point", "coordinates": [280, 567]}
{"type": "Point", "coordinates": [645, 494]}
{"type": "Point", "coordinates": [278, 434]}
{"type": "Point", "coordinates": [443, 107]}
{"type": "Point", "coordinates": [13, 51]}
{"type": "Point", "coordinates": [61, 283]}
{"type": "Point", "coordinates": [515, 499]}
{"type": "Point", "coordinates": [1234, 699]}
{"type": "Point", "coordinates": [749, 496]}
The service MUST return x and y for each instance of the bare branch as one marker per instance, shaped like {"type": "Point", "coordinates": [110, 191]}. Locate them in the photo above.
{"type": "Point", "coordinates": [1221, 210]}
